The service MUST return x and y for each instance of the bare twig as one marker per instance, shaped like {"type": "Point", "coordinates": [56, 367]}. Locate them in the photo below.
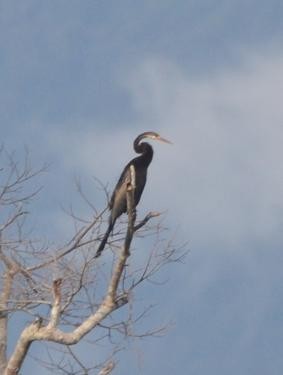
{"type": "Point", "coordinates": [72, 246]}
{"type": "Point", "coordinates": [149, 216]}
{"type": "Point", "coordinates": [50, 332]}
{"type": "Point", "coordinates": [107, 369]}
{"type": "Point", "coordinates": [93, 290]}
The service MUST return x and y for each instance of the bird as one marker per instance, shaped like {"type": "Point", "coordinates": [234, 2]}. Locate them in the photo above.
{"type": "Point", "coordinates": [118, 201]}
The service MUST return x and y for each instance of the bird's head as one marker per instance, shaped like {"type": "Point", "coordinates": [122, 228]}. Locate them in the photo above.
{"type": "Point", "coordinates": [153, 135]}
{"type": "Point", "coordinates": [143, 147]}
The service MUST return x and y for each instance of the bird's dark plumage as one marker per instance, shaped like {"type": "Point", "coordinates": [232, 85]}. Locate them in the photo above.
{"type": "Point", "coordinates": [118, 201]}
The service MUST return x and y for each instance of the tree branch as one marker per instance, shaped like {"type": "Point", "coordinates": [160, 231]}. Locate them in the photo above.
{"type": "Point", "coordinates": [75, 243]}
{"type": "Point", "coordinates": [6, 291]}
{"type": "Point", "coordinates": [149, 216]}
{"type": "Point", "coordinates": [36, 331]}
{"type": "Point", "coordinates": [56, 307]}
{"type": "Point", "coordinates": [107, 369]}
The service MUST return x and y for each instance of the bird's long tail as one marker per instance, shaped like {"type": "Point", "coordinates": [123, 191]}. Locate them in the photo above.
{"type": "Point", "coordinates": [104, 240]}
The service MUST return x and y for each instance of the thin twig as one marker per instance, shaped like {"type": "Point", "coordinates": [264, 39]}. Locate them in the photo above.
{"type": "Point", "coordinates": [73, 246]}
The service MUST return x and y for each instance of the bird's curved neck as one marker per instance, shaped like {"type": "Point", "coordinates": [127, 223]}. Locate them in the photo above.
{"type": "Point", "coordinates": [144, 149]}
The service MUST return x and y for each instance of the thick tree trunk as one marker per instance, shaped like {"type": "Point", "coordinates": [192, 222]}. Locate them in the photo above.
{"type": "Point", "coordinates": [6, 291]}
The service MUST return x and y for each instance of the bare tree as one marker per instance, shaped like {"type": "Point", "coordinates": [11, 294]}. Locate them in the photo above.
{"type": "Point", "coordinates": [62, 293]}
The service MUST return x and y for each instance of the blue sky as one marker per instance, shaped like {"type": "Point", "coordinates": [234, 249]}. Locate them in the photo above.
{"type": "Point", "coordinates": [79, 80]}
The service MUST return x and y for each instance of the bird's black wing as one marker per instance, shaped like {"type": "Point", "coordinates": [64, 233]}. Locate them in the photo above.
{"type": "Point", "coordinates": [121, 181]}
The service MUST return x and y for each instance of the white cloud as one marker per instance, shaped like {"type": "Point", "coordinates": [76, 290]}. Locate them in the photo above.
{"type": "Point", "coordinates": [223, 176]}
{"type": "Point", "coordinates": [221, 180]}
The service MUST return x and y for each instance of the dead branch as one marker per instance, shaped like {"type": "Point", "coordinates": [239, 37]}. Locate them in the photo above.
{"type": "Point", "coordinates": [107, 369]}
{"type": "Point", "coordinates": [92, 290]}
{"type": "Point", "coordinates": [6, 292]}
{"type": "Point", "coordinates": [35, 331]}
{"type": "Point", "coordinates": [55, 311]}
{"type": "Point", "coordinates": [75, 243]}
{"type": "Point", "coordinates": [149, 216]}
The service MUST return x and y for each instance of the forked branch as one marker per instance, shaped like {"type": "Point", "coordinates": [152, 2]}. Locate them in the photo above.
{"type": "Point", "coordinates": [50, 332]}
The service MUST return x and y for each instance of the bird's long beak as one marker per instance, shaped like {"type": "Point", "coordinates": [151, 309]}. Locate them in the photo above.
{"type": "Point", "coordinates": [164, 140]}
